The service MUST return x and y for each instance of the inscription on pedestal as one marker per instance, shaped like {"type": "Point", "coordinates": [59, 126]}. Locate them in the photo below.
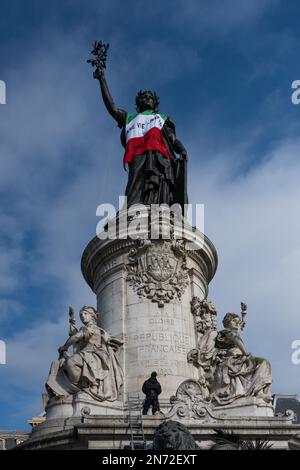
{"type": "Point", "coordinates": [162, 342]}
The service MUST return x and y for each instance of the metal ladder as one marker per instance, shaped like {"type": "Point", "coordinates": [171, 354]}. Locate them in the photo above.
{"type": "Point", "coordinates": [135, 420]}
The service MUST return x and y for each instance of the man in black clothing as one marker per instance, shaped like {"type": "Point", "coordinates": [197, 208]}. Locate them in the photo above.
{"type": "Point", "coordinates": [151, 388]}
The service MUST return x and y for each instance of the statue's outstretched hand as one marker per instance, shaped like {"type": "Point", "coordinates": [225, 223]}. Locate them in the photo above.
{"type": "Point", "coordinates": [98, 73]}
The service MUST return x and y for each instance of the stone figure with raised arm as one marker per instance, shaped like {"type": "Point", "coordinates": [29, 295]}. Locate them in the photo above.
{"type": "Point", "coordinates": [237, 373]}
{"type": "Point", "coordinates": [156, 174]}
{"type": "Point", "coordinates": [94, 366]}
{"type": "Point", "coordinates": [202, 356]}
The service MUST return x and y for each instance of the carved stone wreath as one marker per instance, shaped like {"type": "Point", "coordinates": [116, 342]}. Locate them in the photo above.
{"type": "Point", "coordinates": [158, 271]}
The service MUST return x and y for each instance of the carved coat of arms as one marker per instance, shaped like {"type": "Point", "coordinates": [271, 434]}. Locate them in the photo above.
{"type": "Point", "coordinates": [157, 270]}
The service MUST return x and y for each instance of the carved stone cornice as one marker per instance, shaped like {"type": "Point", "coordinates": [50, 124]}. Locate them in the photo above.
{"type": "Point", "coordinates": [99, 252]}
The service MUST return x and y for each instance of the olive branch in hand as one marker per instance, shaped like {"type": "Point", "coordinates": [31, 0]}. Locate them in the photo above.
{"type": "Point", "coordinates": [100, 52]}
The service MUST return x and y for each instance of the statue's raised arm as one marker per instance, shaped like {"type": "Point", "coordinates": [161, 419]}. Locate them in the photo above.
{"type": "Point", "coordinates": [99, 52]}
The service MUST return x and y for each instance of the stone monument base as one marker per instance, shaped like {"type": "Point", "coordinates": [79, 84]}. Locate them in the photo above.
{"type": "Point", "coordinates": [72, 406]}
{"type": "Point", "coordinates": [249, 406]}
{"type": "Point", "coordinates": [113, 431]}
{"type": "Point", "coordinates": [294, 443]}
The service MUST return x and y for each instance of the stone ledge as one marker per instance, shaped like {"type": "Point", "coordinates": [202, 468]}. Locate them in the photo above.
{"type": "Point", "coordinates": [114, 431]}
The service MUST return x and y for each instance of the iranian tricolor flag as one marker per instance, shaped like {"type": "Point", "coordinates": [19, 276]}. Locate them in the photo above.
{"type": "Point", "coordinates": [143, 132]}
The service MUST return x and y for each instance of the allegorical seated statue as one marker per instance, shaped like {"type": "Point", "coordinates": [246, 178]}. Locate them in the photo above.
{"type": "Point", "coordinates": [93, 367]}
{"type": "Point", "coordinates": [156, 175]}
{"type": "Point", "coordinates": [237, 373]}
{"type": "Point", "coordinates": [173, 435]}
{"type": "Point", "coordinates": [226, 370]}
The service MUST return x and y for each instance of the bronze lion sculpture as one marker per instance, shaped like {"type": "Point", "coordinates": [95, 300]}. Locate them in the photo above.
{"type": "Point", "coordinates": [173, 435]}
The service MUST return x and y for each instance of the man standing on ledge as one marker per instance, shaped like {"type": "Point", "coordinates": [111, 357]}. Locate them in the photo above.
{"type": "Point", "coordinates": [151, 388]}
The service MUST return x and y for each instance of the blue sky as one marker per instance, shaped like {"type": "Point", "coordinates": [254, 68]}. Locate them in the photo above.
{"type": "Point", "coordinates": [223, 72]}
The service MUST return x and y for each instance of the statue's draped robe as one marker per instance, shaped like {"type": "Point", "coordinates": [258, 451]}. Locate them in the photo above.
{"type": "Point", "coordinates": [154, 178]}
{"type": "Point", "coordinates": [238, 375]}
{"type": "Point", "coordinates": [101, 372]}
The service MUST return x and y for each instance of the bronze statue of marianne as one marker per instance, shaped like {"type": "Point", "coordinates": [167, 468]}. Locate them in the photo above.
{"type": "Point", "coordinates": [156, 174]}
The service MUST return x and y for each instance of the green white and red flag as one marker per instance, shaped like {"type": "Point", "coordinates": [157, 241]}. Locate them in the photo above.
{"type": "Point", "coordinates": [143, 131]}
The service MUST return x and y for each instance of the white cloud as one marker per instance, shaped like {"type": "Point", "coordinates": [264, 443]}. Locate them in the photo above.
{"type": "Point", "coordinates": [10, 309]}
{"type": "Point", "coordinates": [30, 352]}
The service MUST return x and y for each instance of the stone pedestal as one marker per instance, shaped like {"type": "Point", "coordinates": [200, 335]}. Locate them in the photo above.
{"type": "Point", "coordinates": [144, 290]}
{"type": "Point", "coordinates": [246, 406]}
{"type": "Point", "coordinates": [294, 443]}
{"type": "Point", "coordinates": [113, 432]}
{"type": "Point", "coordinates": [72, 406]}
